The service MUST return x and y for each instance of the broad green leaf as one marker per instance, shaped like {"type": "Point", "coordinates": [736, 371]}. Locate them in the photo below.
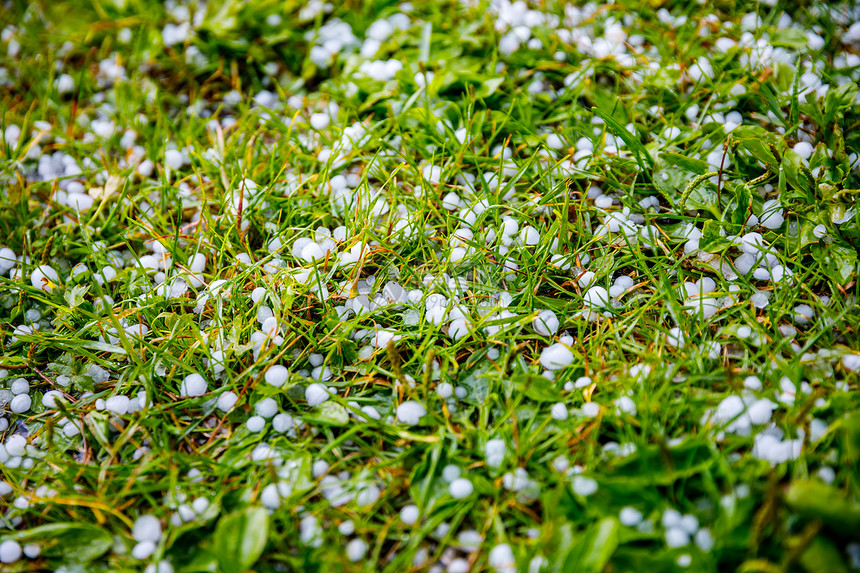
{"type": "Point", "coordinates": [814, 499]}
{"type": "Point", "coordinates": [539, 389]}
{"type": "Point", "coordinates": [75, 295]}
{"type": "Point", "coordinates": [743, 204]}
{"type": "Point", "coordinates": [691, 164]}
{"type": "Point", "coordinates": [789, 37]}
{"type": "Point", "coordinates": [851, 436]}
{"type": "Point", "coordinates": [838, 261]}
{"type": "Point", "coordinates": [796, 173]}
{"type": "Point", "coordinates": [240, 539]}
{"type": "Point", "coordinates": [822, 556]}
{"type": "Point", "coordinates": [478, 385]}
{"type": "Point", "coordinates": [595, 548]}
{"type": "Point", "coordinates": [73, 543]}
{"type": "Point", "coordinates": [329, 413]}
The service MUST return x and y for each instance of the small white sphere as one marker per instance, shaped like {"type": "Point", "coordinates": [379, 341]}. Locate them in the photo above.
{"type": "Point", "coordinates": [146, 528]}
{"type": "Point", "coordinates": [277, 375]}
{"type": "Point", "coordinates": [267, 407]}
{"type": "Point", "coordinates": [143, 550]}
{"type": "Point", "coordinates": [319, 121]}
{"type": "Point", "coordinates": [590, 409]}
{"type": "Point", "coordinates": [10, 551]}
{"type": "Point", "coordinates": [270, 498]}
{"type": "Point", "coordinates": [117, 404]}
{"type": "Point", "coordinates": [409, 514]}
{"type": "Point", "coordinates": [502, 558]}
{"type": "Point", "coordinates": [193, 385]}
{"type": "Point", "coordinates": [316, 394]}
{"type": "Point", "coordinates": [461, 488]}
{"type": "Point", "coordinates": [356, 549]}
{"type": "Point", "coordinates": [410, 412]}
{"type": "Point", "coordinates": [226, 401]}
{"type": "Point", "coordinates": [20, 403]}
{"type": "Point", "coordinates": [255, 424]}
{"type": "Point", "coordinates": [596, 296]}
{"type": "Point", "coordinates": [546, 323]}
{"type": "Point", "coordinates": [49, 398]}
{"type": "Point", "coordinates": [444, 390]}
{"type": "Point", "coordinates": [44, 277]}
{"type": "Point", "coordinates": [559, 411]}
{"type": "Point", "coordinates": [630, 516]}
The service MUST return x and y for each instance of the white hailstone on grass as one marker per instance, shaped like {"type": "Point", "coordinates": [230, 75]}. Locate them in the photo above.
{"type": "Point", "coordinates": [347, 527]}
{"type": "Point", "coordinates": [319, 121]}
{"type": "Point", "coordinates": [774, 450]}
{"type": "Point", "coordinates": [266, 408]}
{"type": "Point", "coordinates": [559, 411]}
{"type": "Point", "coordinates": [677, 537]}
{"type": "Point", "coordinates": [530, 236]}
{"type": "Point", "coordinates": [458, 329]}
{"type": "Point", "coordinates": [173, 158]}
{"type": "Point", "coordinates": [32, 550]}
{"type": "Point", "coordinates": [410, 514]}
{"type": "Point", "coordinates": [310, 532]}
{"type": "Point", "coordinates": [367, 495]}
{"type": "Point", "coordinates": [556, 356]}
{"type": "Point", "coordinates": [630, 516]}
{"type": "Point", "coordinates": [760, 299]}
{"type": "Point", "coordinates": [590, 409]}
{"type": "Point", "coordinates": [355, 549]}
{"type": "Point", "coordinates": [772, 216]}
{"type": "Point", "coordinates": [675, 338]}
{"type": "Point", "coordinates": [451, 472]}
{"type": "Point", "coordinates": [444, 390]}
{"type": "Point", "coordinates": [851, 362]}
{"type": "Point", "coordinates": [117, 404]}
{"type": "Point", "coordinates": [146, 528]}
{"type": "Point", "coordinates": [143, 550]}
{"type": "Point", "coordinates": [10, 551]}
{"type": "Point", "coordinates": [820, 231]}
{"type": "Point", "coordinates": [689, 523]}
{"type": "Point", "coordinates": [804, 150]}
{"type": "Point", "coordinates": [20, 386]}
{"type": "Point", "coordinates": [626, 405]}
{"type": "Point", "coordinates": [44, 278]}
{"type": "Point", "coordinates": [270, 497]}
{"type": "Point", "coordinates": [826, 474]}
{"type": "Point", "coordinates": [410, 412]}
{"type": "Point", "coordinates": [282, 422]}
{"type": "Point", "coordinates": [583, 486]}
{"type": "Point", "coordinates": [16, 445]}
{"type": "Point", "coordinates": [226, 401]}
{"type": "Point", "coordinates": [20, 403]}
{"type": "Point", "coordinates": [277, 375]}
{"type": "Point", "coordinates": [495, 451]}
{"type": "Point", "coordinates": [193, 385]}
{"type": "Point", "coordinates": [49, 398]}
{"type": "Point", "coordinates": [316, 394]}
{"type": "Point", "coordinates": [255, 424]}
{"type": "Point", "coordinates": [704, 540]}
{"type": "Point", "coordinates": [596, 296]}
{"type": "Point", "coordinates": [545, 323]}
{"type": "Point", "coordinates": [461, 488]}
{"type": "Point", "coordinates": [502, 559]}
{"type": "Point", "coordinates": [162, 566]}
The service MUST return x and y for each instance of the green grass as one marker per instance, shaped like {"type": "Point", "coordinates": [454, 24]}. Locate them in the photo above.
{"type": "Point", "coordinates": [511, 134]}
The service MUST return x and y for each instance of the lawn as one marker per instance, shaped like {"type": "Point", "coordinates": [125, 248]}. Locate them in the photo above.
{"type": "Point", "coordinates": [443, 285]}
